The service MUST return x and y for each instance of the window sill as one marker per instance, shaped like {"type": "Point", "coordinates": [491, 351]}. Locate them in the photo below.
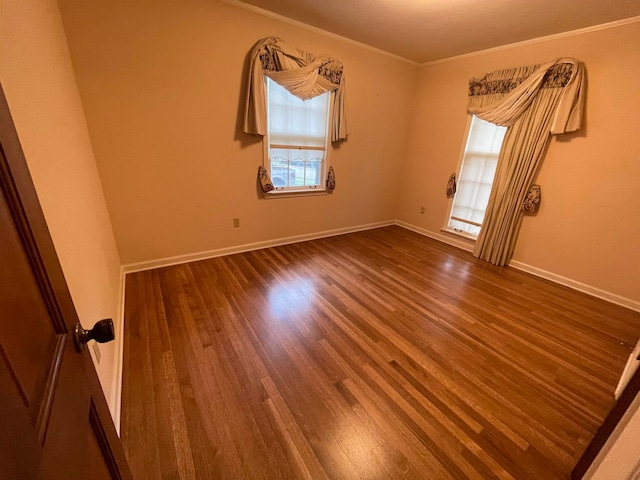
{"type": "Point", "coordinates": [467, 236]}
{"type": "Point", "coordinates": [311, 192]}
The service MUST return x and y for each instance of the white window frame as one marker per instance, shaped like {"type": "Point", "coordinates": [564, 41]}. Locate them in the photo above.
{"type": "Point", "coordinates": [281, 192]}
{"type": "Point", "coordinates": [447, 228]}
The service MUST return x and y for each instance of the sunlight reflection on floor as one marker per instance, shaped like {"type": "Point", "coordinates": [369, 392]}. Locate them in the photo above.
{"type": "Point", "coordinates": [293, 297]}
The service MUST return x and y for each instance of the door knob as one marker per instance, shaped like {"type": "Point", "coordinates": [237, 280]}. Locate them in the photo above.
{"type": "Point", "coordinates": [102, 332]}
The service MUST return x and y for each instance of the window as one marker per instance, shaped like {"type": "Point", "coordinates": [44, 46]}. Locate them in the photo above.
{"type": "Point", "coordinates": [476, 176]}
{"type": "Point", "coordinates": [297, 139]}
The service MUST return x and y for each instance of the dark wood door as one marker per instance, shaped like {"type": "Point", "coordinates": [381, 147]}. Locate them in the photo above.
{"type": "Point", "coordinates": [54, 420]}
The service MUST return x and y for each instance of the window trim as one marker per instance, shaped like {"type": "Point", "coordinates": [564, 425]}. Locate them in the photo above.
{"type": "Point", "coordinates": [463, 148]}
{"type": "Point", "coordinates": [450, 201]}
{"type": "Point", "coordinates": [301, 191]}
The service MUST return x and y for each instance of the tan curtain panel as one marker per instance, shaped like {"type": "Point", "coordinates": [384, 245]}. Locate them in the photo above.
{"type": "Point", "coordinates": [303, 74]}
{"type": "Point", "coordinates": [534, 103]}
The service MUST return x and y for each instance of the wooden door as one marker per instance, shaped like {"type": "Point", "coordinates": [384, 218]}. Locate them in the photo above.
{"type": "Point", "coordinates": [54, 420]}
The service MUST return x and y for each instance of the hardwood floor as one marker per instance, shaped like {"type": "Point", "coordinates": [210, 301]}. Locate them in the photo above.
{"type": "Point", "coordinates": [379, 354]}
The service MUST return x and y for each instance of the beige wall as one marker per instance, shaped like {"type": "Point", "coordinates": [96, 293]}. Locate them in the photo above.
{"type": "Point", "coordinates": [161, 83]}
{"type": "Point", "coordinates": [588, 225]}
{"type": "Point", "coordinates": [37, 78]}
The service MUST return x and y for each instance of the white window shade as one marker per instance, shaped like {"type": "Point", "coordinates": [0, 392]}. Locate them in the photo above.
{"type": "Point", "coordinates": [476, 176]}
{"type": "Point", "coordinates": [297, 122]}
{"type": "Point", "coordinates": [297, 139]}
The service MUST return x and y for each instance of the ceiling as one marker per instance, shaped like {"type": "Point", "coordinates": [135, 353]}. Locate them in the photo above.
{"type": "Point", "coordinates": [427, 30]}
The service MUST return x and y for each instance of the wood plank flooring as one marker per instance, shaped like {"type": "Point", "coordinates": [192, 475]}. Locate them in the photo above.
{"type": "Point", "coordinates": [374, 355]}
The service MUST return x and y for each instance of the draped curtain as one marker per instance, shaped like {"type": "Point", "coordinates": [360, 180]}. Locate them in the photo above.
{"type": "Point", "coordinates": [533, 102]}
{"type": "Point", "coordinates": [303, 74]}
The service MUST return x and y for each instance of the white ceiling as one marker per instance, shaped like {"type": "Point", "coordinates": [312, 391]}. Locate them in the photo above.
{"type": "Point", "coordinates": [428, 30]}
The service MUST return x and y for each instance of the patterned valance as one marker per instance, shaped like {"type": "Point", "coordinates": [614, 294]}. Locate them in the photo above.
{"type": "Point", "coordinates": [302, 74]}
{"type": "Point", "coordinates": [535, 103]}
{"type": "Point", "coordinates": [501, 97]}
{"type": "Point", "coordinates": [330, 69]}
{"type": "Point", "coordinates": [556, 77]}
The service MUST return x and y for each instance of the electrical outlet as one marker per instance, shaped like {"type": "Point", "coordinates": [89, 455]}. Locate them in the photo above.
{"type": "Point", "coordinates": [421, 209]}
{"type": "Point", "coordinates": [96, 351]}
{"type": "Point", "coordinates": [236, 222]}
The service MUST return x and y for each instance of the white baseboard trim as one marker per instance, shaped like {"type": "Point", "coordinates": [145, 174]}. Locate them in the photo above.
{"type": "Point", "coordinates": [193, 257]}
{"type": "Point", "coordinates": [574, 284]}
{"type": "Point", "coordinates": [115, 402]}
{"type": "Point", "coordinates": [442, 237]}
{"type": "Point", "coordinates": [538, 272]}
{"type": "Point", "coordinates": [629, 369]}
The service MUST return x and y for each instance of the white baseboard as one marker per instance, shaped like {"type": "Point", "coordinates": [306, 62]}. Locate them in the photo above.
{"type": "Point", "coordinates": [442, 237]}
{"type": "Point", "coordinates": [629, 369]}
{"type": "Point", "coordinates": [115, 402]}
{"type": "Point", "coordinates": [193, 257]}
{"type": "Point", "coordinates": [538, 272]}
{"type": "Point", "coordinates": [574, 284]}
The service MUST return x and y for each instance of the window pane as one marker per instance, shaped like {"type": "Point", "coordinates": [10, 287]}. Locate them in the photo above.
{"type": "Point", "coordinates": [297, 122]}
{"type": "Point", "coordinates": [465, 227]}
{"type": "Point", "coordinates": [296, 167]}
{"type": "Point", "coordinates": [476, 175]}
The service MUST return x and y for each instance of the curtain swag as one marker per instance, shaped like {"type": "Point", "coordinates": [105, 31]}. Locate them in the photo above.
{"type": "Point", "coordinates": [557, 76]}
{"type": "Point", "coordinates": [532, 200]}
{"type": "Point", "coordinates": [264, 180]}
{"type": "Point", "coordinates": [331, 180]}
{"type": "Point", "coordinates": [451, 185]}
{"type": "Point", "coordinates": [534, 102]}
{"type": "Point", "coordinates": [565, 73]}
{"type": "Point", "coordinates": [303, 74]}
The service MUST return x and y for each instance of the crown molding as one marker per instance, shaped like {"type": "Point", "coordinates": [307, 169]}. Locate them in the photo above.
{"type": "Point", "coordinates": [335, 36]}
{"type": "Point", "coordinates": [532, 41]}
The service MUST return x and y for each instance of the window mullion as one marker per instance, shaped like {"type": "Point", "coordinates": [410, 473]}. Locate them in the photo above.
{"type": "Point", "coordinates": [297, 145]}
{"type": "Point", "coordinates": [480, 157]}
